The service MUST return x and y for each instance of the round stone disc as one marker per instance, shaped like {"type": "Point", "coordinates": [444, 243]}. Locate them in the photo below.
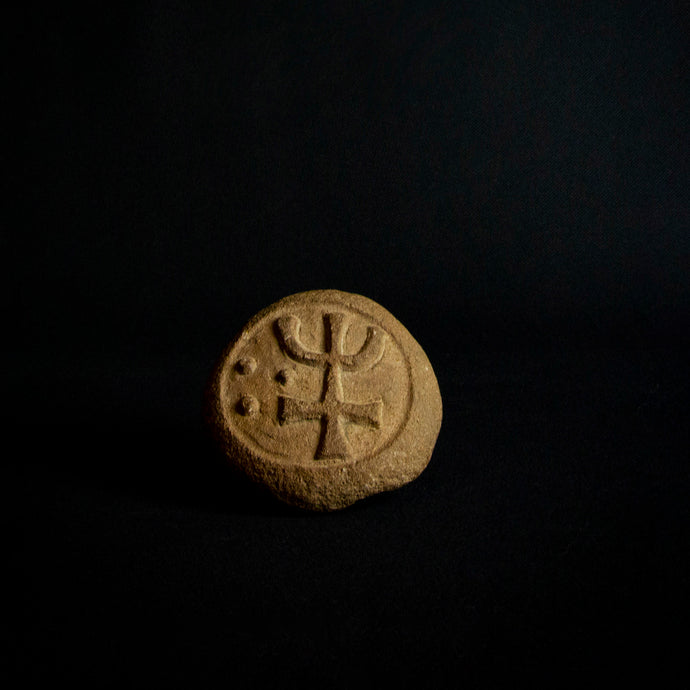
{"type": "Point", "coordinates": [325, 398]}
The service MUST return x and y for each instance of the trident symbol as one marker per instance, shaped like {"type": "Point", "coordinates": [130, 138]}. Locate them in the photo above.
{"type": "Point", "coordinates": [331, 409]}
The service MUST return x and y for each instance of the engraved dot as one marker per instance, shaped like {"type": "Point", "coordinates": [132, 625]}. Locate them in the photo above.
{"type": "Point", "coordinates": [284, 376]}
{"type": "Point", "coordinates": [248, 406]}
{"type": "Point", "coordinates": [246, 365]}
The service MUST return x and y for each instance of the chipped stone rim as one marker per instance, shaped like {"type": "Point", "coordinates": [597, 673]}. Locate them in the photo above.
{"type": "Point", "coordinates": [328, 486]}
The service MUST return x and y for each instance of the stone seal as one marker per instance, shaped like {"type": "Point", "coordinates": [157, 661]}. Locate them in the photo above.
{"type": "Point", "coordinates": [325, 398]}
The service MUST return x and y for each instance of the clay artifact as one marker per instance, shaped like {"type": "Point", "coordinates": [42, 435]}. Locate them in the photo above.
{"type": "Point", "coordinates": [325, 398]}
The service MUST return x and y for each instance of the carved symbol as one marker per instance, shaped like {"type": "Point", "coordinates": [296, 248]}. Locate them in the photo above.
{"type": "Point", "coordinates": [247, 365]}
{"type": "Point", "coordinates": [247, 405]}
{"type": "Point", "coordinates": [331, 409]}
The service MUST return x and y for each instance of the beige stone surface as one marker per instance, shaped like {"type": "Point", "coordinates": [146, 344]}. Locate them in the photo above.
{"type": "Point", "coordinates": [325, 398]}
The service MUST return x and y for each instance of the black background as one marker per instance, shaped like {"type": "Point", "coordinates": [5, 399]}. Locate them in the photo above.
{"type": "Point", "coordinates": [510, 180]}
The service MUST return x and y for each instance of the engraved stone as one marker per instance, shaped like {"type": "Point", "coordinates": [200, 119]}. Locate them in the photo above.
{"type": "Point", "coordinates": [342, 402]}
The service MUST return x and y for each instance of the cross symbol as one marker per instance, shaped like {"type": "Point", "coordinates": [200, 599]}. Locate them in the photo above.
{"type": "Point", "coordinates": [331, 409]}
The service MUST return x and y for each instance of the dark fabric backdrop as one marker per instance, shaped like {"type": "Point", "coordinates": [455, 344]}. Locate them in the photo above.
{"type": "Point", "coordinates": [509, 179]}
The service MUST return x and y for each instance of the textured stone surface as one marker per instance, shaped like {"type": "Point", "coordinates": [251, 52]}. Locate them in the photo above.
{"type": "Point", "coordinates": [325, 398]}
